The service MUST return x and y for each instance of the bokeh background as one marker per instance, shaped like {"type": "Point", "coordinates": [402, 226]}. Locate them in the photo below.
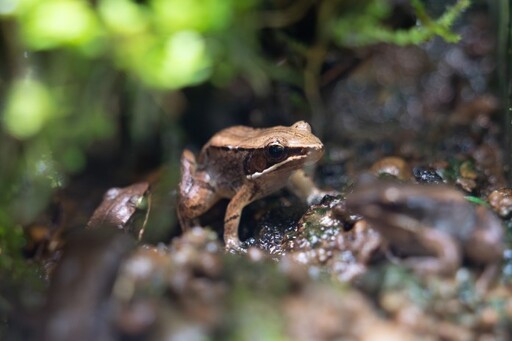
{"type": "Point", "coordinates": [102, 93]}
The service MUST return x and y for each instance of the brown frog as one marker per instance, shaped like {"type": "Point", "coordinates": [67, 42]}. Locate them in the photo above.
{"type": "Point", "coordinates": [432, 225]}
{"type": "Point", "coordinates": [244, 164]}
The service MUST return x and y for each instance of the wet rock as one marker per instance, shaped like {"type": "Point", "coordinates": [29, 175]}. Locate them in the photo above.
{"type": "Point", "coordinates": [322, 313]}
{"type": "Point", "coordinates": [166, 291]}
{"type": "Point", "coordinates": [468, 185]}
{"type": "Point", "coordinates": [426, 175]}
{"type": "Point", "coordinates": [467, 176]}
{"type": "Point", "coordinates": [501, 201]}
{"type": "Point", "coordinates": [271, 222]}
{"type": "Point", "coordinates": [438, 307]}
{"type": "Point", "coordinates": [489, 162]}
{"type": "Point", "coordinates": [393, 166]}
{"type": "Point", "coordinates": [328, 236]}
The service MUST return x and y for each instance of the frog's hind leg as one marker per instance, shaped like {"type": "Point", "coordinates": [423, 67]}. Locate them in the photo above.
{"type": "Point", "coordinates": [447, 257]}
{"type": "Point", "coordinates": [196, 195]}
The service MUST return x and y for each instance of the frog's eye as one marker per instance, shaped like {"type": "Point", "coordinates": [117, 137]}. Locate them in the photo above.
{"type": "Point", "coordinates": [276, 152]}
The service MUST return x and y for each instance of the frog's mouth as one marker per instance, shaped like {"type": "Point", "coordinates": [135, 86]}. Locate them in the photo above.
{"type": "Point", "coordinates": [303, 159]}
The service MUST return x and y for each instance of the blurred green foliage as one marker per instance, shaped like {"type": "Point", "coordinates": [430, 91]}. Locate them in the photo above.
{"type": "Point", "coordinates": [70, 68]}
{"type": "Point", "coordinates": [370, 18]}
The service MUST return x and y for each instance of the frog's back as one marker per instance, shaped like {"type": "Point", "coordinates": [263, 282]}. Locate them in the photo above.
{"type": "Point", "coordinates": [232, 137]}
{"type": "Point", "coordinates": [222, 159]}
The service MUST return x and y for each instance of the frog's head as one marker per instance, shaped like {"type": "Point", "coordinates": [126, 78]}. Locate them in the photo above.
{"type": "Point", "coordinates": [281, 150]}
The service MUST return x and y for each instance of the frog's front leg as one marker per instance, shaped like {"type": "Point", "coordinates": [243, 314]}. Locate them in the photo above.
{"type": "Point", "coordinates": [300, 184]}
{"type": "Point", "coordinates": [447, 250]}
{"type": "Point", "coordinates": [196, 195]}
{"type": "Point", "coordinates": [242, 198]}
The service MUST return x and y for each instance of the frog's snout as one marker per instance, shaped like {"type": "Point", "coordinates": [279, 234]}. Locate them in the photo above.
{"type": "Point", "coordinates": [315, 154]}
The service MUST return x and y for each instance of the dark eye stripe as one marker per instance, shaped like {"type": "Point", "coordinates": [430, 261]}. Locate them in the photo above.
{"type": "Point", "coordinates": [255, 161]}
{"type": "Point", "coordinates": [290, 151]}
